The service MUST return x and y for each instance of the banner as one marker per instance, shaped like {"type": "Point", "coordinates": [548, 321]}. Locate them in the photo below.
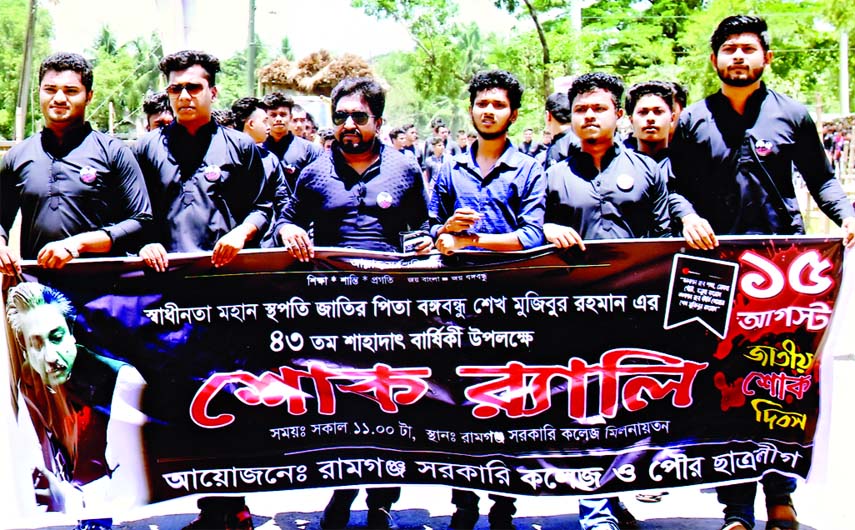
{"type": "Point", "coordinates": [631, 365]}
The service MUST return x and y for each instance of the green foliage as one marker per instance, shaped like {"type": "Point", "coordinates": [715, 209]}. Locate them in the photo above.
{"type": "Point", "coordinates": [285, 49]}
{"type": "Point", "coordinates": [123, 74]}
{"type": "Point", "coordinates": [13, 28]}
{"type": "Point", "coordinates": [231, 81]}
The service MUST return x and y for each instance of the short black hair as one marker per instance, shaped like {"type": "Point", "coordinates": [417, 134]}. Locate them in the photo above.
{"type": "Point", "coordinates": [656, 88]}
{"type": "Point", "coordinates": [63, 61]}
{"type": "Point", "coordinates": [155, 103]}
{"type": "Point", "coordinates": [327, 133]}
{"type": "Point", "coordinates": [396, 131]}
{"type": "Point", "coordinates": [276, 100]}
{"type": "Point", "coordinates": [596, 81]}
{"type": "Point", "coordinates": [436, 123]}
{"type": "Point", "coordinates": [737, 24]}
{"type": "Point", "coordinates": [497, 79]}
{"type": "Point", "coordinates": [408, 126]}
{"type": "Point", "coordinates": [436, 140]}
{"type": "Point", "coordinates": [365, 87]}
{"type": "Point", "coordinates": [243, 108]}
{"type": "Point", "coordinates": [681, 97]}
{"type": "Point", "coordinates": [558, 106]}
{"type": "Point", "coordinates": [223, 117]}
{"type": "Point", "coordinates": [184, 59]}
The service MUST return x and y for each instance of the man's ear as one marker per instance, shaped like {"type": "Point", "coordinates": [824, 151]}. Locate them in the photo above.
{"type": "Point", "coordinates": [88, 97]}
{"type": "Point", "coordinates": [619, 113]}
{"type": "Point", "coordinates": [514, 115]}
{"type": "Point", "coordinates": [379, 122]}
{"type": "Point", "coordinates": [214, 92]}
{"type": "Point", "coordinates": [713, 61]}
{"type": "Point", "coordinates": [768, 58]}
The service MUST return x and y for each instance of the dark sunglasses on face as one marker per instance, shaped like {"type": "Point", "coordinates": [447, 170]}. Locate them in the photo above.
{"type": "Point", "coordinates": [358, 117]}
{"type": "Point", "coordinates": [192, 88]}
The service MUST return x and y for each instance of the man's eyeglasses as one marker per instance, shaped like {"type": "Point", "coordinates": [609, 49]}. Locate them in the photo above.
{"type": "Point", "coordinates": [192, 88]}
{"type": "Point", "coordinates": [358, 117]}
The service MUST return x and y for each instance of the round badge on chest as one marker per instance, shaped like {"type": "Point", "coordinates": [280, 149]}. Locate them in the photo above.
{"type": "Point", "coordinates": [625, 182]}
{"type": "Point", "coordinates": [212, 173]}
{"type": "Point", "coordinates": [763, 147]}
{"type": "Point", "coordinates": [384, 199]}
{"type": "Point", "coordinates": [88, 174]}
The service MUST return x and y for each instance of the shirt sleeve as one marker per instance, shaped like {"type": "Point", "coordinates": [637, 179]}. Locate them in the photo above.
{"type": "Point", "coordinates": [812, 162]}
{"type": "Point", "coordinates": [532, 208]}
{"type": "Point", "coordinates": [660, 222]}
{"type": "Point", "coordinates": [675, 170]}
{"type": "Point", "coordinates": [132, 193]}
{"type": "Point", "coordinates": [442, 200]}
{"type": "Point", "coordinates": [261, 210]}
{"type": "Point", "coordinates": [9, 197]}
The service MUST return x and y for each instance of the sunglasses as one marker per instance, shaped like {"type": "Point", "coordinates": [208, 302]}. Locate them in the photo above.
{"type": "Point", "coordinates": [192, 89]}
{"type": "Point", "coordinates": [358, 117]}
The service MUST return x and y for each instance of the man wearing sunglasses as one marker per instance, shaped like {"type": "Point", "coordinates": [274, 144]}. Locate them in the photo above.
{"type": "Point", "coordinates": [360, 194]}
{"type": "Point", "coordinates": [205, 181]}
{"type": "Point", "coordinates": [79, 191]}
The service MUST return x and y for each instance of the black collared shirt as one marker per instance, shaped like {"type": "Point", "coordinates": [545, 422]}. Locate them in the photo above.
{"type": "Point", "coordinates": [367, 211]}
{"type": "Point", "coordinates": [736, 170]}
{"type": "Point", "coordinates": [90, 182]}
{"type": "Point", "coordinates": [627, 199]}
{"type": "Point", "coordinates": [202, 186]}
{"type": "Point", "coordinates": [294, 154]}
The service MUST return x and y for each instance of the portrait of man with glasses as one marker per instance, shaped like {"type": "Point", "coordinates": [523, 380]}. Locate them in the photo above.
{"type": "Point", "coordinates": [360, 194]}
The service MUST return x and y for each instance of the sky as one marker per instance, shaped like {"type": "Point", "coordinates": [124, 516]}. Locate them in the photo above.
{"type": "Point", "coordinates": [220, 26]}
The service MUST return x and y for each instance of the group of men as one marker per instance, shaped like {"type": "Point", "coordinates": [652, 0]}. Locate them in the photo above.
{"type": "Point", "coordinates": [193, 185]}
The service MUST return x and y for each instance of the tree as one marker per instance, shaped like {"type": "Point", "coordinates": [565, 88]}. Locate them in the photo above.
{"type": "Point", "coordinates": [13, 26]}
{"type": "Point", "coordinates": [285, 49]}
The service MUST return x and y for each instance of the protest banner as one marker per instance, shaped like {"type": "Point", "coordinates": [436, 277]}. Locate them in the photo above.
{"type": "Point", "coordinates": [629, 366]}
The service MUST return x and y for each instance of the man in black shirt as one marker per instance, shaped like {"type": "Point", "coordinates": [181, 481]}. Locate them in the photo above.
{"type": "Point", "coordinates": [294, 152]}
{"type": "Point", "coordinates": [650, 106]}
{"type": "Point", "coordinates": [558, 123]}
{"type": "Point", "coordinates": [361, 194]}
{"type": "Point", "coordinates": [79, 191]}
{"type": "Point", "coordinates": [158, 111]}
{"type": "Point", "coordinates": [734, 152]}
{"type": "Point", "coordinates": [733, 157]}
{"type": "Point", "coordinates": [205, 181]}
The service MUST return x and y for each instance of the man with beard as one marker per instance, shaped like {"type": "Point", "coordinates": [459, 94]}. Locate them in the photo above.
{"type": "Point", "coordinates": [490, 198]}
{"type": "Point", "coordinates": [650, 106]}
{"type": "Point", "coordinates": [733, 157]}
{"type": "Point", "coordinates": [360, 194]}
{"type": "Point", "coordinates": [734, 152]}
{"type": "Point", "coordinates": [294, 152]}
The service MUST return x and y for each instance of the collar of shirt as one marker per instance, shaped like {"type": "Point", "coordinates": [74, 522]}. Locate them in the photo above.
{"type": "Point", "coordinates": [346, 172]}
{"type": "Point", "coordinates": [71, 140]}
{"type": "Point", "coordinates": [582, 163]}
{"type": "Point", "coordinates": [189, 150]}
{"type": "Point", "coordinates": [510, 159]}
{"type": "Point", "coordinates": [722, 109]}
{"type": "Point", "coordinates": [279, 147]}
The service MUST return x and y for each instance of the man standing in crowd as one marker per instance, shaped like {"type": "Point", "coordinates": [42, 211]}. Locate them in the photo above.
{"type": "Point", "coordinates": [528, 145]}
{"type": "Point", "coordinates": [490, 198]}
{"type": "Point", "coordinates": [651, 112]}
{"type": "Point", "coordinates": [79, 191]}
{"type": "Point", "coordinates": [603, 191]}
{"type": "Point", "coordinates": [250, 117]}
{"type": "Point", "coordinates": [433, 163]}
{"type": "Point", "coordinates": [412, 143]}
{"type": "Point", "coordinates": [461, 145]}
{"type": "Point", "coordinates": [294, 152]}
{"type": "Point", "coordinates": [733, 158]}
{"type": "Point", "coordinates": [361, 194]}
{"type": "Point", "coordinates": [558, 123]}
{"type": "Point", "coordinates": [299, 121]}
{"type": "Point", "coordinates": [158, 112]}
{"type": "Point", "coordinates": [205, 181]}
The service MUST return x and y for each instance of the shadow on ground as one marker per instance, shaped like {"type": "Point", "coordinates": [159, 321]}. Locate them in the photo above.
{"type": "Point", "coordinates": [418, 520]}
